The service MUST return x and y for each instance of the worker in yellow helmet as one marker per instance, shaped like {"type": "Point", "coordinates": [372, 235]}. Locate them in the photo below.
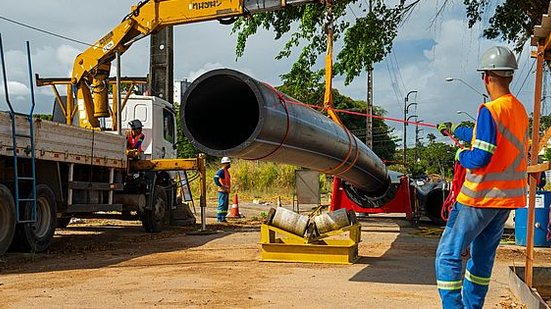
{"type": "Point", "coordinates": [495, 183]}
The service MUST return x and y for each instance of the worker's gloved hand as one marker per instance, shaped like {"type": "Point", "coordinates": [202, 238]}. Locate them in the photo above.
{"type": "Point", "coordinates": [447, 126]}
{"type": "Point", "coordinates": [457, 153]}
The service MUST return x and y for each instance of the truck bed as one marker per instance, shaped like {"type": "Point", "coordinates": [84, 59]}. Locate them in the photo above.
{"type": "Point", "coordinates": [62, 143]}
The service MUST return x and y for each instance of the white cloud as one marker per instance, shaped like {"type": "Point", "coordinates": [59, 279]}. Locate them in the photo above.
{"type": "Point", "coordinates": [207, 67]}
{"type": "Point", "coordinates": [15, 89]}
{"type": "Point", "coordinates": [66, 54]}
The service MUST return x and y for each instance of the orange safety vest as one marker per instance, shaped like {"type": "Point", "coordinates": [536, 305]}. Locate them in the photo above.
{"type": "Point", "coordinates": [226, 181]}
{"type": "Point", "coordinates": [132, 140]}
{"type": "Point", "coordinates": [502, 183]}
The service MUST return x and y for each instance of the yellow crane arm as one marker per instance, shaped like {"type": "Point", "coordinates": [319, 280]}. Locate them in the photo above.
{"type": "Point", "coordinates": [92, 67]}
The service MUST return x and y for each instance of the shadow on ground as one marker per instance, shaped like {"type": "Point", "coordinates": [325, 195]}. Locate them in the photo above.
{"type": "Point", "coordinates": [94, 246]}
{"type": "Point", "coordinates": [410, 258]}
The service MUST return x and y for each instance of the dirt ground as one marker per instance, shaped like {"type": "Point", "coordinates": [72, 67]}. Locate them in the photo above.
{"type": "Point", "coordinates": [109, 263]}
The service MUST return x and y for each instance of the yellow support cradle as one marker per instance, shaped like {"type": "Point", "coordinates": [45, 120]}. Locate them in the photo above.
{"type": "Point", "coordinates": [289, 247]}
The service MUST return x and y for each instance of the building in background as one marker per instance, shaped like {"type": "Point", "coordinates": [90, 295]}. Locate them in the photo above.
{"type": "Point", "coordinates": [180, 88]}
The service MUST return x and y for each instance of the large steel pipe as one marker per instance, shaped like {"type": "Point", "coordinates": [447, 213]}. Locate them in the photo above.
{"type": "Point", "coordinates": [227, 113]}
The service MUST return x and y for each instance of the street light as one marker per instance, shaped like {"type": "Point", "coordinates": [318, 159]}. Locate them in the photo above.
{"type": "Point", "coordinates": [451, 79]}
{"type": "Point", "coordinates": [470, 116]}
{"type": "Point", "coordinates": [406, 107]}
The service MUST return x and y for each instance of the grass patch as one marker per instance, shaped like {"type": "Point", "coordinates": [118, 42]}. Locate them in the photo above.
{"type": "Point", "coordinates": [256, 179]}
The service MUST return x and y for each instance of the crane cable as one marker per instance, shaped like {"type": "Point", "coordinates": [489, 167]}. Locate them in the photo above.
{"type": "Point", "coordinates": [328, 99]}
{"type": "Point", "coordinates": [459, 171]}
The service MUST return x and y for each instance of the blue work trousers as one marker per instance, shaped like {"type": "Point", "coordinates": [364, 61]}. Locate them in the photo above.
{"type": "Point", "coordinates": [222, 210]}
{"type": "Point", "coordinates": [481, 229]}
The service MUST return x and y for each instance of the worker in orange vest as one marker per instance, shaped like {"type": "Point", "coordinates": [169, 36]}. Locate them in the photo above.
{"type": "Point", "coordinates": [222, 180]}
{"type": "Point", "coordinates": [134, 139]}
{"type": "Point", "coordinates": [495, 183]}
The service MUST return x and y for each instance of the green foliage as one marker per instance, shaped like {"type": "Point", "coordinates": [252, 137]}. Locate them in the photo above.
{"type": "Point", "coordinates": [44, 116]}
{"type": "Point", "coordinates": [513, 20]}
{"type": "Point", "coordinates": [431, 137]}
{"type": "Point", "coordinates": [434, 158]}
{"type": "Point", "coordinates": [256, 178]}
{"type": "Point", "coordinates": [547, 154]}
{"type": "Point", "coordinates": [183, 146]}
{"type": "Point", "coordinates": [545, 123]}
{"type": "Point", "coordinates": [366, 41]}
{"type": "Point", "coordinates": [261, 177]}
{"type": "Point", "coordinates": [384, 144]}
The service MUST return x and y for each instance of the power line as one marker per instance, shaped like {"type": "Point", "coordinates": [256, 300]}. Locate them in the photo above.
{"type": "Point", "coordinates": [399, 72]}
{"type": "Point", "coordinates": [351, 10]}
{"type": "Point", "coordinates": [527, 75]}
{"type": "Point", "coordinates": [393, 83]}
{"type": "Point", "coordinates": [44, 31]}
{"type": "Point", "coordinates": [521, 72]}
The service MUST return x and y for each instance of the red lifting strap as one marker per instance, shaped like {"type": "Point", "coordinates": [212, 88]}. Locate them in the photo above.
{"type": "Point", "coordinates": [459, 173]}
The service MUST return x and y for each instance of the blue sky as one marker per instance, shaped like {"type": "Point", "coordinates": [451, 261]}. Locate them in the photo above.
{"type": "Point", "coordinates": [424, 54]}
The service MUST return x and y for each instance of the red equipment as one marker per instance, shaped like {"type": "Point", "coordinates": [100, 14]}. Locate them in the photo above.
{"type": "Point", "coordinates": [403, 201]}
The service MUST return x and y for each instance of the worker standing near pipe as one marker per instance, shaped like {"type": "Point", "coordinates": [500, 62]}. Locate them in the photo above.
{"type": "Point", "coordinates": [222, 179]}
{"type": "Point", "coordinates": [495, 183]}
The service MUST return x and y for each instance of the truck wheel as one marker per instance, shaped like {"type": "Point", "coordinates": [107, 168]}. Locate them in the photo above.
{"type": "Point", "coordinates": [37, 236]}
{"type": "Point", "coordinates": [153, 219]}
{"type": "Point", "coordinates": [7, 219]}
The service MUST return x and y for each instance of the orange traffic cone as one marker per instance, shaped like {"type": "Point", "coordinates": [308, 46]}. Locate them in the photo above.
{"type": "Point", "coordinates": [234, 209]}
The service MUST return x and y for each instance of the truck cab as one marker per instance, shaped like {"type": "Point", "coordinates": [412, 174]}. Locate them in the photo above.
{"type": "Point", "coordinates": [157, 116]}
{"type": "Point", "coordinates": [159, 125]}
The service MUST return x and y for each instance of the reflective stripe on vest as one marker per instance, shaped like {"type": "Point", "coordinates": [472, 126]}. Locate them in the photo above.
{"type": "Point", "coordinates": [503, 182]}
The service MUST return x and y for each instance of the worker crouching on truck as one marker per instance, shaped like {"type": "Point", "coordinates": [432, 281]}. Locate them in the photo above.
{"type": "Point", "coordinates": [495, 183]}
{"type": "Point", "coordinates": [222, 179]}
{"type": "Point", "coordinates": [134, 139]}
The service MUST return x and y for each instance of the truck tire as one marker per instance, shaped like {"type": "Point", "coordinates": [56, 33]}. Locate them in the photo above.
{"type": "Point", "coordinates": [153, 220]}
{"type": "Point", "coordinates": [7, 219]}
{"type": "Point", "coordinates": [36, 237]}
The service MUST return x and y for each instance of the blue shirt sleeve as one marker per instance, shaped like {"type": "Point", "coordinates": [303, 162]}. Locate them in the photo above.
{"type": "Point", "coordinates": [219, 174]}
{"type": "Point", "coordinates": [464, 133]}
{"type": "Point", "coordinates": [485, 143]}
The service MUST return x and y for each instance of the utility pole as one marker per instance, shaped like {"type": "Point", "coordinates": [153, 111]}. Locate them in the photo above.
{"type": "Point", "coordinates": [417, 130]}
{"type": "Point", "coordinates": [369, 119]}
{"type": "Point", "coordinates": [406, 107]}
{"type": "Point", "coordinates": [161, 64]}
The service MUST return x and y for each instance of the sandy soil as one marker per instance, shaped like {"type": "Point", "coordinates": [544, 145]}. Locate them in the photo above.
{"type": "Point", "coordinates": [108, 263]}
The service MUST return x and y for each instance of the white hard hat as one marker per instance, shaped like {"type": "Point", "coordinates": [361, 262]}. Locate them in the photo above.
{"type": "Point", "coordinates": [225, 160]}
{"type": "Point", "coordinates": [500, 60]}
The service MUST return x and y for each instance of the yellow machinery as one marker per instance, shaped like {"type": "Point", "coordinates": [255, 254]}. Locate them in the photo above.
{"type": "Point", "coordinates": [91, 68]}
{"type": "Point", "coordinates": [293, 238]}
{"type": "Point", "coordinates": [90, 80]}
{"type": "Point", "coordinates": [289, 247]}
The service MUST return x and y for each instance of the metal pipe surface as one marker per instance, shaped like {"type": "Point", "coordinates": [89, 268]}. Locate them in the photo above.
{"type": "Point", "coordinates": [227, 113]}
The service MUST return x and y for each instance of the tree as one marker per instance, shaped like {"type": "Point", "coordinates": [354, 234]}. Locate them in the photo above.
{"type": "Point", "coordinates": [366, 40]}
{"type": "Point", "coordinates": [44, 116]}
{"type": "Point", "coordinates": [184, 148]}
{"type": "Point", "coordinates": [512, 21]}
{"type": "Point", "coordinates": [431, 137]}
{"type": "Point", "coordinates": [384, 145]}
{"type": "Point", "coordinates": [438, 158]}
